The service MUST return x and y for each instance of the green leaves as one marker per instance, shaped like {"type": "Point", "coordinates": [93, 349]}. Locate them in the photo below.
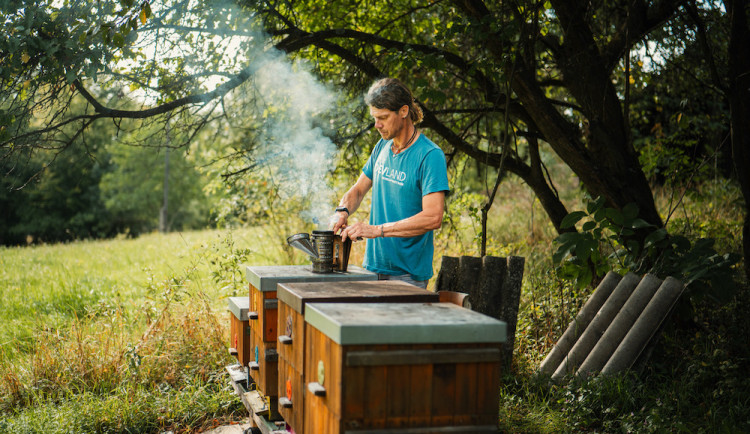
{"type": "Point", "coordinates": [571, 219]}
{"type": "Point", "coordinates": [611, 239]}
{"type": "Point", "coordinates": [604, 242]}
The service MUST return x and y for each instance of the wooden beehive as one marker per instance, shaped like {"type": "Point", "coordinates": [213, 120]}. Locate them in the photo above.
{"type": "Point", "coordinates": [382, 366]}
{"type": "Point", "coordinates": [239, 329]}
{"type": "Point", "coordinates": [264, 365]}
{"type": "Point", "coordinates": [291, 349]}
{"type": "Point", "coordinates": [263, 311]}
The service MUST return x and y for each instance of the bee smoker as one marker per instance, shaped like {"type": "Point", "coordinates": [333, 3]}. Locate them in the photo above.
{"type": "Point", "coordinates": [327, 251]}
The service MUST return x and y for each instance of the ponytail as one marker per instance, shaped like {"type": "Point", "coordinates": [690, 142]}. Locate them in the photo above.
{"type": "Point", "coordinates": [392, 94]}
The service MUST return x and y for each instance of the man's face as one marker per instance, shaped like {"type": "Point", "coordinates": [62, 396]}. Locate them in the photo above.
{"type": "Point", "coordinates": [387, 122]}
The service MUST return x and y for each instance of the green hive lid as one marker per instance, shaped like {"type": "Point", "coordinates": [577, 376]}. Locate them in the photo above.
{"type": "Point", "coordinates": [266, 277]}
{"type": "Point", "coordinates": [297, 294]}
{"type": "Point", "coordinates": [239, 306]}
{"type": "Point", "coordinates": [403, 323]}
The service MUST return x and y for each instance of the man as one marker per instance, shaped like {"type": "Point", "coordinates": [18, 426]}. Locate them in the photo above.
{"type": "Point", "coordinates": [408, 176]}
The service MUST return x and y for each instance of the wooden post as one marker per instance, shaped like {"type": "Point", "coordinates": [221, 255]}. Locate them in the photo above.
{"type": "Point", "coordinates": [494, 287]}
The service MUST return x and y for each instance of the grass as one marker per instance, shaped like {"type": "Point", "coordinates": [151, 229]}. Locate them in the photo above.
{"type": "Point", "coordinates": [130, 335]}
{"type": "Point", "coordinates": [696, 378]}
{"type": "Point", "coordinates": [122, 335]}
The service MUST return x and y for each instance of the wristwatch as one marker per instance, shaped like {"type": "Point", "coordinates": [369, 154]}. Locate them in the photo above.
{"type": "Point", "coordinates": [343, 208]}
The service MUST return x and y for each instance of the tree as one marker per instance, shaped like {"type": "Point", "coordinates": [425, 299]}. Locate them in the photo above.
{"type": "Point", "coordinates": [133, 191]}
{"type": "Point", "coordinates": [559, 69]}
{"type": "Point", "coordinates": [739, 91]}
{"type": "Point", "coordinates": [56, 199]}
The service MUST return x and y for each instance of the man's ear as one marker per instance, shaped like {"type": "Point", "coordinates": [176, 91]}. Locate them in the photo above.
{"type": "Point", "coordinates": [404, 111]}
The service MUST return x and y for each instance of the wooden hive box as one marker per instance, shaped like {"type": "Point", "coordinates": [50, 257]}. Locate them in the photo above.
{"type": "Point", "coordinates": [401, 367]}
{"type": "Point", "coordinates": [291, 349]}
{"type": "Point", "coordinates": [263, 311]}
{"type": "Point", "coordinates": [239, 329]}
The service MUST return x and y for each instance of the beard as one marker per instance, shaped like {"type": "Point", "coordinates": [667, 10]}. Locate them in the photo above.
{"type": "Point", "coordinates": [389, 135]}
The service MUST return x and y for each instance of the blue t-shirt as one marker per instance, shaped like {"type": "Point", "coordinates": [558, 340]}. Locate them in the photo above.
{"type": "Point", "coordinates": [398, 184]}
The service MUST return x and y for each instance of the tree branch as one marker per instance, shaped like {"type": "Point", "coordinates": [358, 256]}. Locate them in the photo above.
{"type": "Point", "coordinates": [299, 39]}
{"type": "Point", "coordinates": [641, 20]}
{"type": "Point", "coordinates": [203, 98]}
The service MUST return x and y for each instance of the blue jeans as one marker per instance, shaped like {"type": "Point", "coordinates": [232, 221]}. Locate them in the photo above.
{"type": "Point", "coordinates": [404, 278]}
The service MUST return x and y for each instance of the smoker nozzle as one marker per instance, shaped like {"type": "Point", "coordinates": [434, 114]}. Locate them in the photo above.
{"type": "Point", "coordinates": [302, 242]}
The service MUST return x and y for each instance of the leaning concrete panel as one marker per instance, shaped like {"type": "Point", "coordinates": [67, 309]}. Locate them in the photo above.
{"type": "Point", "coordinates": [620, 325]}
{"type": "Point", "coordinates": [598, 326]}
{"type": "Point", "coordinates": [578, 325]}
{"type": "Point", "coordinates": [644, 328]}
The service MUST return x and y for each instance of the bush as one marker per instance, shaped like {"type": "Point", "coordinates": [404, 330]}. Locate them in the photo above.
{"type": "Point", "coordinates": [610, 239]}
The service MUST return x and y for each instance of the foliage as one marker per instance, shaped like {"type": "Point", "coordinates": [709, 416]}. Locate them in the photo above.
{"type": "Point", "coordinates": [98, 188]}
{"type": "Point", "coordinates": [607, 242]}
{"type": "Point", "coordinates": [227, 267]}
{"type": "Point", "coordinates": [581, 254]}
{"type": "Point", "coordinates": [201, 71]}
{"type": "Point", "coordinates": [194, 65]}
{"type": "Point", "coordinates": [59, 202]}
{"type": "Point", "coordinates": [680, 120]}
{"type": "Point", "coordinates": [133, 190]}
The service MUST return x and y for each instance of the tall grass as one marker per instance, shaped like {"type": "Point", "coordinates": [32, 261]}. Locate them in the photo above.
{"type": "Point", "coordinates": [696, 376]}
{"type": "Point", "coordinates": [123, 335]}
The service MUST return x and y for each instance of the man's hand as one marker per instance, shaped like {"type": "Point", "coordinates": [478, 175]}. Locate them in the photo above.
{"type": "Point", "coordinates": [351, 200]}
{"type": "Point", "coordinates": [360, 230]}
{"type": "Point", "coordinates": [338, 221]}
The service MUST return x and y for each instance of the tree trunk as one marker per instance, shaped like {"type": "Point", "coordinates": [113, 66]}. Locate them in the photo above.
{"type": "Point", "coordinates": [600, 155]}
{"type": "Point", "coordinates": [616, 173]}
{"type": "Point", "coordinates": [739, 105]}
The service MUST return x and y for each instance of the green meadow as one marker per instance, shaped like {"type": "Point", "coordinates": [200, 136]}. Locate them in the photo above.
{"type": "Point", "coordinates": [123, 335]}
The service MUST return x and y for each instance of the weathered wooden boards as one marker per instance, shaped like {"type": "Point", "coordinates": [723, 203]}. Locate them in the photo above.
{"type": "Point", "coordinates": [614, 325]}
{"type": "Point", "coordinates": [494, 287]}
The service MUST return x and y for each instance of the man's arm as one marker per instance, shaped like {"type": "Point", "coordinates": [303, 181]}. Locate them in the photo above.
{"type": "Point", "coordinates": [351, 200]}
{"type": "Point", "coordinates": [430, 218]}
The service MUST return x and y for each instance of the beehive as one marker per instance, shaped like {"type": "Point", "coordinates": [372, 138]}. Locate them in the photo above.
{"type": "Point", "coordinates": [239, 329]}
{"type": "Point", "coordinates": [263, 308]}
{"type": "Point", "coordinates": [400, 365]}
{"type": "Point", "coordinates": [264, 365]}
{"type": "Point", "coordinates": [291, 325]}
